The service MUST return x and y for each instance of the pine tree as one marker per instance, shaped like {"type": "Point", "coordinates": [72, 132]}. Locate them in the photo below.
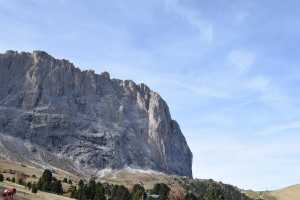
{"type": "Point", "coordinates": [45, 182]}
{"type": "Point", "coordinates": [1, 178]}
{"type": "Point", "coordinates": [21, 181]}
{"type": "Point", "coordinates": [48, 183]}
{"type": "Point", "coordinates": [120, 192]}
{"type": "Point", "coordinates": [74, 192]}
{"type": "Point", "coordinates": [162, 190]}
{"type": "Point", "coordinates": [91, 189]}
{"type": "Point", "coordinates": [81, 191]}
{"type": "Point", "coordinates": [57, 187]}
{"type": "Point", "coordinates": [34, 188]}
{"type": "Point", "coordinates": [99, 192]}
{"type": "Point", "coordinates": [28, 185]}
{"type": "Point", "coordinates": [137, 192]}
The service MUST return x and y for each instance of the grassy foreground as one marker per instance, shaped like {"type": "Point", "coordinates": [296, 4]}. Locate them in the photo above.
{"type": "Point", "coordinates": [24, 194]}
{"type": "Point", "coordinates": [128, 178]}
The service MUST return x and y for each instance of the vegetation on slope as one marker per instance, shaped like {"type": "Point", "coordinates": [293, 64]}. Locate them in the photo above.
{"type": "Point", "coordinates": [124, 187]}
{"type": "Point", "coordinates": [211, 190]}
{"type": "Point", "coordinates": [102, 191]}
{"type": "Point", "coordinates": [48, 183]}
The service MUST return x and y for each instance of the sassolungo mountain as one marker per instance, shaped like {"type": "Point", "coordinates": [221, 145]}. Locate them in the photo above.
{"type": "Point", "coordinates": [54, 114]}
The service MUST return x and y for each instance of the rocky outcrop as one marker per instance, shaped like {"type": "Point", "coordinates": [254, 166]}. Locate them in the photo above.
{"type": "Point", "coordinates": [90, 120]}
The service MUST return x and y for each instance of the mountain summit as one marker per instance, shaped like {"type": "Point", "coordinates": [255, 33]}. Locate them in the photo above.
{"type": "Point", "coordinates": [54, 114]}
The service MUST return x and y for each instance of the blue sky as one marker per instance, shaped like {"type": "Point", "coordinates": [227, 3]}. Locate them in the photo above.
{"type": "Point", "coordinates": [229, 70]}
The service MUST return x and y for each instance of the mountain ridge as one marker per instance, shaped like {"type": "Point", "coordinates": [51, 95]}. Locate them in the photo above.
{"type": "Point", "coordinates": [85, 121]}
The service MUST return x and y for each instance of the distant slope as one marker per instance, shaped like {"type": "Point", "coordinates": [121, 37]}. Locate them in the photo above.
{"type": "Point", "coordinates": [29, 170]}
{"type": "Point", "coordinates": [264, 195]}
{"type": "Point", "coordinates": [288, 193]}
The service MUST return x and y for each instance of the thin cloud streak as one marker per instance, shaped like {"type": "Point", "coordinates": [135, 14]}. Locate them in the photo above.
{"type": "Point", "coordinates": [281, 128]}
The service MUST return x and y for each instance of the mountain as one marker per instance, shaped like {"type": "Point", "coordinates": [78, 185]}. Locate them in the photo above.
{"type": "Point", "coordinates": [52, 114]}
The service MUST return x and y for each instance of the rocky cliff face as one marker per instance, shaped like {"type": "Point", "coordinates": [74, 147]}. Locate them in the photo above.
{"type": "Point", "coordinates": [52, 113]}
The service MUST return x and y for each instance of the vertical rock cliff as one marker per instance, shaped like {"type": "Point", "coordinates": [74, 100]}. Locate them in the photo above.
{"type": "Point", "coordinates": [52, 113]}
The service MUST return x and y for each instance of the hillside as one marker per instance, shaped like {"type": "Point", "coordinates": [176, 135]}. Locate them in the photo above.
{"type": "Point", "coordinates": [288, 193]}
{"type": "Point", "coordinates": [179, 186]}
{"type": "Point", "coordinates": [24, 194]}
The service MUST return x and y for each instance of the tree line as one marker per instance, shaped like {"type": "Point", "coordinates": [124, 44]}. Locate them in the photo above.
{"type": "Point", "coordinates": [103, 191]}
{"type": "Point", "coordinates": [93, 190]}
{"type": "Point", "coordinates": [46, 183]}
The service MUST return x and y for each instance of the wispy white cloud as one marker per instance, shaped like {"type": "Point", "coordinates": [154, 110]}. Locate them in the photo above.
{"type": "Point", "coordinates": [258, 83]}
{"type": "Point", "coordinates": [204, 26]}
{"type": "Point", "coordinates": [281, 128]}
{"type": "Point", "coordinates": [242, 60]}
{"type": "Point", "coordinates": [268, 92]}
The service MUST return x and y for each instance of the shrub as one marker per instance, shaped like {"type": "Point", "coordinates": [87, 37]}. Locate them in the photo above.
{"type": "Point", "coordinates": [190, 196]}
{"type": "Point", "coordinates": [162, 190]}
{"type": "Point", "coordinates": [21, 181]}
{"type": "Point", "coordinates": [213, 193]}
{"type": "Point", "coordinates": [137, 192]}
{"type": "Point", "coordinates": [90, 189]}
{"type": "Point", "coordinates": [81, 192]}
{"type": "Point", "coordinates": [120, 192]}
{"type": "Point", "coordinates": [28, 185]}
{"type": "Point", "coordinates": [177, 193]}
{"type": "Point", "coordinates": [65, 180]}
{"type": "Point", "coordinates": [13, 179]}
{"type": "Point", "coordinates": [99, 192]}
{"type": "Point", "coordinates": [21, 178]}
{"type": "Point", "coordinates": [1, 178]}
{"type": "Point", "coordinates": [73, 191]}
{"type": "Point", "coordinates": [57, 187]}
{"type": "Point", "coordinates": [34, 188]}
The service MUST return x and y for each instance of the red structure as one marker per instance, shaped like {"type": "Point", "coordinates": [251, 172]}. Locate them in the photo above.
{"type": "Point", "coordinates": [8, 193]}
